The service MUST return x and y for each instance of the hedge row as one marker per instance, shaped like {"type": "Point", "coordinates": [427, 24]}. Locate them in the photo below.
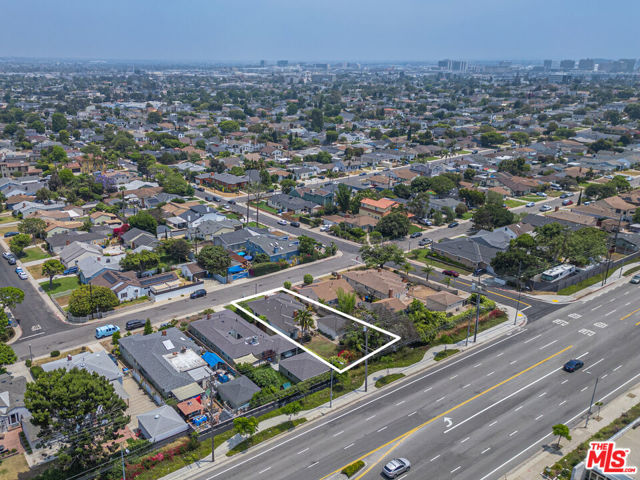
{"type": "Point", "coordinates": [267, 395]}
{"type": "Point", "coordinates": [268, 267]}
{"type": "Point", "coordinates": [351, 470]}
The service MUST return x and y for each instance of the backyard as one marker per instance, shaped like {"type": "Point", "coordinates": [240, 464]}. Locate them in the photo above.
{"type": "Point", "coordinates": [421, 255]}
{"type": "Point", "coordinates": [34, 253]}
{"type": "Point", "coordinates": [323, 346]}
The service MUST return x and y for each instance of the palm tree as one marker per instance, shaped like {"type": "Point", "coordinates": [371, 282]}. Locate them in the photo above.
{"type": "Point", "coordinates": [428, 269]}
{"type": "Point", "coordinates": [304, 319]}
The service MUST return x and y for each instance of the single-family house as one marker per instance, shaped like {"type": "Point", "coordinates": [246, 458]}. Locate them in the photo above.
{"type": "Point", "coordinates": [276, 248]}
{"type": "Point", "coordinates": [12, 408]}
{"type": "Point", "coordinates": [289, 203]}
{"type": "Point", "coordinates": [445, 302]}
{"type": "Point", "coordinates": [279, 310]}
{"type": "Point", "coordinates": [327, 290]}
{"type": "Point", "coordinates": [161, 423]}
{"type": "Point", "coordinates": [238, 392]}
{"type": "Point", "coordinates": [377, 208]}
{"type": "Point", "coordinates": [302, 367]}
{"type": "Point", "coordinates": [378, 283]}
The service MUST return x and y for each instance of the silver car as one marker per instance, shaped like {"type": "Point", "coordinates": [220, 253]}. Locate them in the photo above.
{"type": "Point", "coordinates": [635, 279]}
{"type": "Point", "coordinates": [396, 467]}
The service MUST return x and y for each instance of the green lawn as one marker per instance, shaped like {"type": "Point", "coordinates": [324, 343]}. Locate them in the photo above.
{"type": "Point", "coordinates": [570, 290]}
{"type": "Point", "coordinates": [513, 203]}
{"type": "Point", "coordinates": [34, 253]}
{"type": "Point", "coordinates": [8, 219]}
{"type": "Point", "coordinates": [257, 225]}
{"type": "Point", "coordinates": [467, 215]}
{"type": "Point", "coordinates": [445, 353]}
{"type": "Point", "coordinates": [531, 198]}
{"type": "Point", "coordinates": [387, 379]}
{"type": "Point", "coordinates": [421, 255]}
{"type": "Point", "coordinates": [414, 228]}
{"type": "Point", "coordinates": [61, 285]}
{"type": "Point", "coordinates": [263, 206]}
{"type": "Point", "coordinates": [323, 346]}
{"type": "Point", "coordinates": [265, 435]}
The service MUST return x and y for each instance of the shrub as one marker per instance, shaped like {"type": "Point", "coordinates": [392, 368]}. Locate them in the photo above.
{"type": "Point", "coordinates": [287, 285]}
{"type": "Point", "coordinates": [36, 371]}
{"type": "Point", "coordinates": [308, 279]}
{"type": "Point", "coordinates": [351, 469]}
{"type": "Point", "coordinates": [27, 362]}
{"type": "Point", "coordinates": [267, 267]}
{"type": "Point", "coordinates": [444, 354]}
{"type": "Point", "coordinates": [55, 353]}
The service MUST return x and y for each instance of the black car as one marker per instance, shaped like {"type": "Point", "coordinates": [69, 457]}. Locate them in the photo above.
{"type": "Point", "coordinates": [11, 234]}
{"type": "Point", "coordinates": [133, 324]}
{"type": "Point", "coordinates": [295, 224]}
{"type": "Point", "coordinates": [479, 271]}
{"type": "Point", "coordinates": [232, 202]}
{"type": "Point", "coordinates": [198, 293]}
{"type": "Point", "coordinates": [453, 224]}
{"type": "Point", "coordinates": [415, 235]}
{"type": "Point", "coordinates": [573, 365]}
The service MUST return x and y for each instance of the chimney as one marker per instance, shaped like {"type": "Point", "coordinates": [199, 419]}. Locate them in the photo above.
{"type": "Point", "coordinates": [390, 293]}
{"type": "Point", "coordinates": [164, 333]}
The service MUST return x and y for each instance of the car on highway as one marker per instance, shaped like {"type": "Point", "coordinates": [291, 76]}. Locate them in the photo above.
{"type": "Point", "coordinates": [545, 208]}
{"type": "Point", "coordinates": [133, 324]}
{"type": "Point", "coordinates": [396, 467]}
{"type": "Point", "coordinates": [415, 235]}
{"type": "Point", "coordinates": [567, 202]}
{"type": "Point", "coordinates": [11, 234]}
{"type": "Point", "coordinates": [198, 293]}
{"type": "Point", "coordinates": [530, 204]}
{"type": "Point", "coordinates": [573, 365]}
{"type": "Point", "coordinates": [282, 222]}
{"type": "Point", "coordinates": [23, 276]}
{"type": "Point", "coordinates": [106, 330]}
{"type": "Point", "coordinates": [451, 273]}
{"type": "Point", "coordinates": [635, 279]}
{"type": "Point", "coordinates": [295, 224]}
{"type": "Point", "coordinates": [453, 225]}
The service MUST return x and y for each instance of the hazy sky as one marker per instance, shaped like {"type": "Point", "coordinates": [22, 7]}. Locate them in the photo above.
{"type": "Point", "coordinates": [359, 30]}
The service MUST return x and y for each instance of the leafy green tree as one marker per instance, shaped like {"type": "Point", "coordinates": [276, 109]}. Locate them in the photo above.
{"type": "Point", "coordinates": [79, 412]}
{"type": "Point", "coordinates": [228, 126]}
{"type": "Point", "coordinates": [177, 248]}
{"type": "Point", "coordinates": [214, 259]}
{"type": "Point", "coordinates": [521, 138]}
{"type": "Point", "coordinates": [517, 166]}
{"type": "Point", "coordinates": [394, 225]}
{"type": "Point", "coordinates": [140, 262]}
{"type": "Point", "coordinates": [461, 209]}
{"type": "Point", "coordinates": [115, 338]}
{"type": "Point", "coordinates": [419, 204]}
{"type": "Point", "coordinates": [449, 214]}
{"type": "Point", "coordinates": [51, 268]}
{"type": "Point", "coordinates": [346, 301]}
{"type": "Point", "coordinates": [378, 255]}
{"type": "Point", "coordinates": [18, 243]}
{"type": "Point", "coordinates": [7, 356]}
{"type": "Point", "coordinates": [474, 198]}
{"type": "Point", "coordinates": [10, 297]}
{"type": "Point", "coordinates": [636, 216]}
{"type": "Point", "coordinates": [307, 279]}
{"type": "Point", "coordinates": [492, 216]}
{"type": "Point", "coordinates": [428, 269]}
{"type": "Point", "coordinates": [245, 425]}
{"type": "Point", "coordinates": [469, 174]}
{"type": "Point", "coordinates": [306, 245]}
{"type": "Point", "coordinates": [561, 431]}
{"type": "Point", "coordinates": [144, 221]}
{"type": "Point", "coordinates": [292, 409]}
{"type": "Point", "coordinates": [154, 117]}
{"type": "Point", "coordinates": [58, 122]}
{"type": "Point", "coordinates": [33, 226]}
{"type": "Point", "coordinates": [343, 197]}
{"type": "Point", "coordinates": [287, 284]}
{"type": "Point", "coordinates": [86, 300]}
{"type": "Point", "coordinates": [317, 120]}
{"type": "Point", "coordinates": [287, 184]}
{"type": "Point", "coordinates": [491, 139]}
{"type": "Point", "coordinates": [148, 329]}
{"type": "Point", "coordinates": [633, 111]}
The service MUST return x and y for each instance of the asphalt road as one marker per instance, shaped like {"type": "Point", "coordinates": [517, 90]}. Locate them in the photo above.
{"type": "Point", "coordinates": [502, 400]}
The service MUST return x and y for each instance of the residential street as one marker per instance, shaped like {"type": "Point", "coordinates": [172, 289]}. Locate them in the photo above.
{"type": "Point", "coordinates": [502, 400]}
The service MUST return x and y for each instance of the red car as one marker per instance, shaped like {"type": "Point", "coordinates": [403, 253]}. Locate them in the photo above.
{"type": "Point", "coordinates": [451, 273]}
{"type": "Point", "coordinates": [567, 202]}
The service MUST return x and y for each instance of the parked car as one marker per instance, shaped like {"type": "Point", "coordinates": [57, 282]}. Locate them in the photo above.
{"type": "Point", "coordinates": [11, 234]}
{"type": "Point", "coordinates": [453, 225]}
{"type": "Point", "coordinates": [541, 194]}
{"type": "Point", "coordinates": [415, 235]}
{"type": "Point", "coordinates": [216, 199]}
{"type": "Point", "coordinates": [573, 365]}
{"type": "Point", "coordinates": [133, 324]}
{"type": "Point", "coordinates": [479, 271]}
{"type": "Point", "coordinates": [426, 221]}
{"type": "Point", "coordinates": [200, 189]}
{"type": "Point", "coordinates": [396, 467]}
{"type": "Point", "coordinates": [567, 202]}
{"type": "Point", "coordinates": [295, 224]}
{"type": "Point", "coordinates": [586, 203]}
{"type": "Point", "coordinates": [12, 260]}
{"type": "Point", "coordinates": [71, 270]}
{"type": "Point", "coordinates": [565, 195]}
{"type": "Point", "coordinates": [425, 241]}
{"type": "Point", "coordinates": [324, 228]}
{"type": "Point", "coordinates": [23, 276]}
{"type": "Point", "coordinates": [363, 174]}
{"type": "Point", "coordinates": [106, 330]}
{"type": "Point", "coordinates": [451, 273]}
{"type": "Point", "coordinates": [545, 208]}
{"type": "Point", "coordinates": [282, 222]}
{"type": "Point", "coordinates": [19, 269]}
{"type": "Point", "coordinates": [530, 204]}
{"type": "Point", "coordinates": [232, 202]}
{"type": "Point", "coordinates": [635, 279]}
{"type": "Point", "coordinates": [198, 293]}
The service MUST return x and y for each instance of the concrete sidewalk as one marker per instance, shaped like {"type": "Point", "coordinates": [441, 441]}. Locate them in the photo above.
{"type": "Point", "coordinates": [506, 328]}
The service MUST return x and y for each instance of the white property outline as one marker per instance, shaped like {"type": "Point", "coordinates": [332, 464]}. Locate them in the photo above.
{"type": "Point", "coordinates": [394, 337]}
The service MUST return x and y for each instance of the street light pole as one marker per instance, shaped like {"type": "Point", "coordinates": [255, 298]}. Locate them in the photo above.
{"type": "Point", "coordinates": [593, 396]}
{"type": "Point", "coordinates": [515, 320]}
{"type": "Point", "coordinates": [30, 353]}
{"type": "Point", "coordinates": [366, 360]}
{"type": "Point", "coordinates": [475, 331]}
{"type": "Point", "coordinates": [331, 390]}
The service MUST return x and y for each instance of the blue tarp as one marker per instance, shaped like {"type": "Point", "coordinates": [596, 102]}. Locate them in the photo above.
{"type": "Point", "coordinates": [212, 359]}
{"type": "Point", "coordinates": [235, 269]}
{"type": "Point", "coordinates": [242, 254]}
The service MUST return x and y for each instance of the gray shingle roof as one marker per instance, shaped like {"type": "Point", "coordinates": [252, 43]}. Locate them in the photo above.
{"type": "Point", "coordinates": [304, 366]}
{"type": "Point", "coordinates": [238, 391]}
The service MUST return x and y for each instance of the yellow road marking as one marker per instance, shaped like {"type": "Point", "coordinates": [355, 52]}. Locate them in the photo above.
{"type": "Point", "coordinates": [637, 324]}
{"type": "Point", "coordinates": [499, 294]}
{"type": "Point", "coordinates": [629, 314]}
{"type": "Point", "coordinates": [415, 429]}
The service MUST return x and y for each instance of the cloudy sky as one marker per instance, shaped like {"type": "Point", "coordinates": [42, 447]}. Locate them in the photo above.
{"type": "Point", "coordinates": [327, 30]}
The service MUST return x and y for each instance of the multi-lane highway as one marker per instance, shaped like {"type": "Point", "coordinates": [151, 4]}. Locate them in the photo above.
{"type": "Point", "coordinates": [502, 400]}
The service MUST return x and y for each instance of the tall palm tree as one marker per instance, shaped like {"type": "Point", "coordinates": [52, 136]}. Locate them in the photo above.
{"type": "Point", "coordinates": [304, 319]}
{"type": "Point", "coordinates": [428, 269]}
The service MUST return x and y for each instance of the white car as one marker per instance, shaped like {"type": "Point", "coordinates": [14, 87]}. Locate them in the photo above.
{"type": "Point", "coordinates": [282, 222]}
{"type": "Point", "coordinates": [530, 204]}
{"type": "Point", "coordinates": [23, 275]}
{"type": "Point", "coordinates": [324, 228]}
{"type": "Point", "coordinates": [541, 194]}
{"type": "Point", "coordinates": [545, 208]}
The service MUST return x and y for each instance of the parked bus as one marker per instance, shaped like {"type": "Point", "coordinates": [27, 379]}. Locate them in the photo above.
{"type": "Point", "coordinates": [556, 273]}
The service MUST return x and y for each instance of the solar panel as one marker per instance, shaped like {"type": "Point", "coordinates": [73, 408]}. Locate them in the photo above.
{"type": "Point", "coordinates": [109, 277]}
{"type": "Point", "coordinates": [157, 279]}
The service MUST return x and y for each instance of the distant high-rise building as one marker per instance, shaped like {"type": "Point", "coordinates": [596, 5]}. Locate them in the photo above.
{"type": "Point", "coordinates": [567, 64]}
{"type": "Point", "coordinates": [282, 63]}
{"type": "Point", "coordinates": [453, 65]}
{"type": "Point", "coordinates": [262, 63]}
{"type": "Point", "coordinates": [586, 64]}
{"type": "Point", "coordinates": [628, 64]}
{"type": "Point", "coordinates": [547, 64]}
{"type": "Point", "coordinates": [443, 64]}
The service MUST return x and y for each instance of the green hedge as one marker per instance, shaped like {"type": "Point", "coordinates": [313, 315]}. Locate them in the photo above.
{"type": "Point", "coordinates": [270, 394]}
{"type": "Point", "coordinates": [265, 435]}
{"type": "Point", "coordinates": [267, 267]}
{"type": "Point", "coordinates": [352, 469]}
{"type": "Point", "coordinates": [441, 355]}
{"type": "Point", "coordinates": [387, 379]}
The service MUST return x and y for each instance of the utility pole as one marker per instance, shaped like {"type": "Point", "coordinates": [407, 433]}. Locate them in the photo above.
{"type": "Point", "coordinates": [593, 396]}
{"type": "Point", "coordinates": [124, 475]}
{"type": "Point", "coordinates": [610, 252]}
{"type": "Point", "coordinates": [331, 390]}
{"type": "Point", "coordinates": [366, 360]}
{"type": "Point", "coordinates": [210, 412]}
{"type": "Point", "coordinates": [475, 331]}
{"type": "Point", "coordinates": [515, 320]}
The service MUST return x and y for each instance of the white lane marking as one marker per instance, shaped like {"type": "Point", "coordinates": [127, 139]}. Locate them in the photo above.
{"type": "Point", "coordinates": [464, 440]}
{"type": "Point", "coordinates": [619, 366]}
{"type": "Point", "coordinates": [521, 406]}
{"type": "Point", "coordinates": [583, 355]}
{"type": "Point", "coordinates": [369, 418]}
{"type": "Point", "coordinates": [485, 451]}
{"type": "Point", "coordinates": [609, 313]}
{"type": "Point", "coordinates": [562, 403]}
{"type": "Point", "coordinates": [339, 433]}
{"type": "Point", "coordinates": [477, 365]}
{"type": "Point", "coordinates": [412, 413]}
{"type": "Point", "coordinates": [262, 471]}
{"type": "Point", "coordinates": [594, 364]}
{"type": "Point", "coordinates": [513, 433]}
{"type": "Point", "coordinates": [383, 428]}
{"type": "Point", "coordinates": [400, 403]}
{"type": "Point", "coordinates": [500, 354]}
{"type": "Point", "coordinates": [467, 385]}
{"type": "Point", "coordinates": [595, 308]}
{"type": "Point", "coordinates": [490, 373]}
{"type": "Point", "coordinates": [542, 394]}
{"type": "Point", "coordinates": [456, 469]}
{"type": "Point", "coordinates": [441, 398]}
{"type": "Point", "coordinates": [562, 323]}
{"type": "Point", "coordinates": [627, 304]}
{"type": "Point", "coordinates": [492, 424]}
{"type": "Point", "coordinates": [627, 292]}
{"type": "Point", "coordinates": [564, 381]}
{"type": "Point", "coordinates": [547, 345]}
{"type": "Point", "coordinates": [451, 378]}
{"type": "Point", "coordinates": [302, 451]}
{"type": "Point", "coordinates": [511, 363]}
{"type": "Point", "coordinates": [34, 335]}
{"type": "Point", "coordinates": [425, 391]}
{"type": "Point", "coordinates": [435, 458]}
{"type": "Point", "coordinates": [584, 389]}
{"type": "Point", "coordinates": [536, 443]}
{"type": "Point", "coordinates": [313, 464]}
{"type": "Point", "coordinates": [349, 446]}
{"type": "Point", "coordinates": [532, 339]}
{"type": "Point", "coordinates": [362, 406]}
{"type": "Point", "coordinates": [538, 417]}
{"type": "Point", "coordinates": [604, 376]}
